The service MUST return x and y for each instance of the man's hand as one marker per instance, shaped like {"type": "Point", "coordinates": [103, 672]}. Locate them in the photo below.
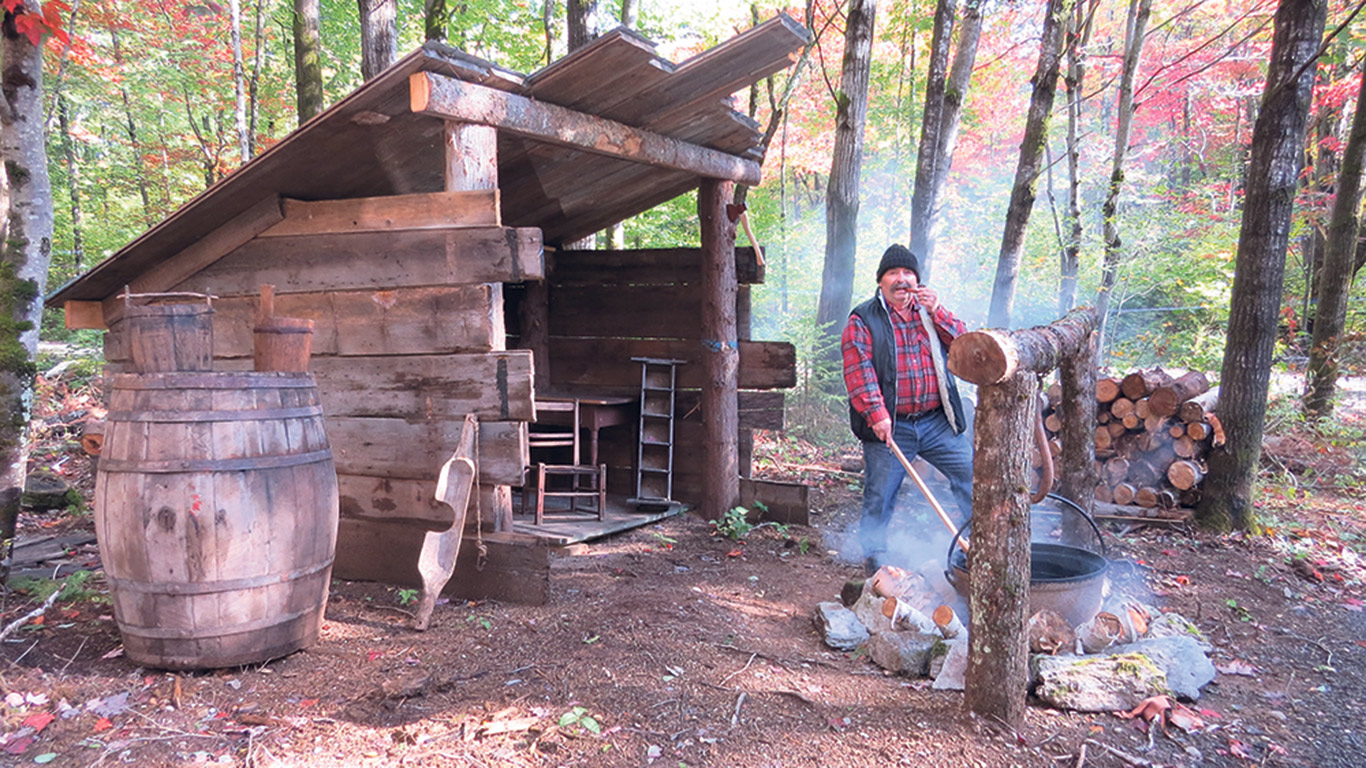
{"type": "Point", "coordinates": [927, 298]}
{"type": "Point", "coordinates": [883, 430]}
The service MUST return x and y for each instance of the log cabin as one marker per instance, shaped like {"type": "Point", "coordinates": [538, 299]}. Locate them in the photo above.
{"type": "Point", "coordinates": [420, 222]}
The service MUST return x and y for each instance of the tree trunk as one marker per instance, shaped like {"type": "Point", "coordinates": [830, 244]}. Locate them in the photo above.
{"type": "Point", "coordinates": [308, 69]}
{"type": "Point", "coordinates": [434, 16]}
{"type": "Point", "coordinates": [721, 353]}
{"type": "Point", "coordinates": [254, 82]}
{"type": "Point", "coordinates": [132, 132]}
{"type": "Point", "coordinates": [1134, 29]}
{"type": "Point", "coordinates": [931, 125]}
{"type": "Point", "coordinates": [1259, 268]}
{"type": "Point", "coordinates": [1078, 37]}
{"type": "Point", "coordinates": [1336, 280]}
{"type": "Point", "coordinates": [378, 35]}
{"type": "Point", "coordinates": [628, 13]}
{"type": "Point", "coordinates": [548, 23]}
{"type": "Point", "coordinates": [581, 17]}
{"type": "Point", "coordinates": [73, 185]}
{"type": "Point", "coordinates": [25, 251]}
{"type": "Point", "coordinates": [998, 652]}
{"type": "Point", "coordinates": [1045, 84]}
{"type": "Point", "coordinates": [239, 80]}
{"type": "Point", "coordinates": [842, 193]}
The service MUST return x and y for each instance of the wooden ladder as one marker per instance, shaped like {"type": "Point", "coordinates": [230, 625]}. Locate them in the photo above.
{"type": "Point", "coordinates": [655, 449]}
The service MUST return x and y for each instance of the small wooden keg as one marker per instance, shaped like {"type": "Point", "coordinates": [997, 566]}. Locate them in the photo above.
{"type": "Point", "coordinates": [216, 514]}
{"type": "Point", "coordinates": [169, 336]}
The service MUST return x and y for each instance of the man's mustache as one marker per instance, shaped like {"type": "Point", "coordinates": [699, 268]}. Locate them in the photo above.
{"type": "Point", "coordinates": [901, 285]}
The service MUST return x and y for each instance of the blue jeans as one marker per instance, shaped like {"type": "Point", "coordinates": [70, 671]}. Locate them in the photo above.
{"type": "Point", "coordinates": [932, 439]}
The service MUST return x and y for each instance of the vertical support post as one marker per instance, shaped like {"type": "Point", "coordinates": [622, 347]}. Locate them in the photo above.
{"type": "Point", "coordinates": [720, 351]}
{"type": "Point", "coordinates": [472, 164]}
{"type": "Point", "coordinates": [1077, 374]}
{"type": "Point", "coordinates": [998, 659]}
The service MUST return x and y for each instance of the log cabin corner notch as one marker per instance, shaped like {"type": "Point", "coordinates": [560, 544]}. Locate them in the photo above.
{"type": "Point", "coordinates": [420, 222]}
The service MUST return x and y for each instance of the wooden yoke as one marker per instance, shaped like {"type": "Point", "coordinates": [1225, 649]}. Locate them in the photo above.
{"type": "Point", "coordinates": [1002, 364]}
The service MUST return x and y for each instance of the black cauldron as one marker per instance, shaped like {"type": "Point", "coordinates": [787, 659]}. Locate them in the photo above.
{"type": "Point", "coordinates": [1062, 578]}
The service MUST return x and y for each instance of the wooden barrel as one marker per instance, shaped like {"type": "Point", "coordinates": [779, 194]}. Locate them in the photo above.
{"type": "Point", "coordinates": [216, 514]}
{"type": "Point", "coordinates": [170, 337]}
{"type": "Point", "coordinates": [283, 344]}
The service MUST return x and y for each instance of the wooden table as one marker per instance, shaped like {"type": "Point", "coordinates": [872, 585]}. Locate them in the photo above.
{"type": "Point", "coordinates": [595, 412]}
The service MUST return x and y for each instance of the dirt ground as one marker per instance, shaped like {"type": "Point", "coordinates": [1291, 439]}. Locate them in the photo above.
{"type": "Point", "coordinates": [671, 646]}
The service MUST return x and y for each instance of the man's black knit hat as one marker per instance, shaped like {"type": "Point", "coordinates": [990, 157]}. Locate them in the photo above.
{"type": "Point", "coordinates": [895, 256]}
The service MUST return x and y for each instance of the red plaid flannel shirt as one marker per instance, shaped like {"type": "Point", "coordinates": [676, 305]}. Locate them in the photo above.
{"type": "Point", "coordinates": [917, 389]}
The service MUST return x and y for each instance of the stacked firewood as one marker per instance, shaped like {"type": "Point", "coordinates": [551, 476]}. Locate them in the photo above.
{"type": "Point", "coordinates": [1153, 432]}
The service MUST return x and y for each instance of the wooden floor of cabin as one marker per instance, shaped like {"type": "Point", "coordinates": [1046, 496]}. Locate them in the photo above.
{"type": "Point", "coordinates": [560, 528]}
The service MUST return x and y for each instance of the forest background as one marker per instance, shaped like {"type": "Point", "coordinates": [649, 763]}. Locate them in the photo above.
{"type": "Point", "coordinates": [140, 116]}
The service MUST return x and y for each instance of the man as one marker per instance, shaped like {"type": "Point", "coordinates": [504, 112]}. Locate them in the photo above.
{"type": "Point", "coordinates": [896, 371]}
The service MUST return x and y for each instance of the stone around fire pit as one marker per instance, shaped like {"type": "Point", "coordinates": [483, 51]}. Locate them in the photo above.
{"type": "Point", "coordinates": [1176, 625]}
{"type": "Point", "coordinates": [1187, 667]}
{"type": "Point", "coordinates": [839, 627]}
{"type": "Point", "coordinates": [1097, 683]}
{"type": "Point", "coordinates": [952, 666]}
{"type": "Point", "coordinates": [905, 653]}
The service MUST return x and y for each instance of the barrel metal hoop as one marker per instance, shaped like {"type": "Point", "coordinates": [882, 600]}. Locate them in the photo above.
{"type": "Point", "coordinates": [194, 417]}
{"type": "Point", "coordinates": [212, 587]}
{"type": "Point", "coordinates": [199, 633]}
{"type": "Point", "coordinates": [177, 466]}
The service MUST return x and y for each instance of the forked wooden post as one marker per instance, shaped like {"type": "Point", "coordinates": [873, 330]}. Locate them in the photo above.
{"type": "Point", "coordinates": [1004, 366]}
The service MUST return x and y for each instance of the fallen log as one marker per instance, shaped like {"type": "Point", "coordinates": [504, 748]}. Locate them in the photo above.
{"type": "Point", "coordinates": [1049, 632]}
{"type": "Point", "coordinates": [1143, 383]}
{"type": "Point", "coordinates": [1184, 475]}
{"type": "Point", "coordinates": [1106, 390]}
{"type": "Point", "coordinates": [1194, 409]}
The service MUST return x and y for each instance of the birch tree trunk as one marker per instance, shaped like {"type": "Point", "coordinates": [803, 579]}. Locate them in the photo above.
{"type": "Point", "coordinates": [842, 193]}
{"type": "Point", "coordinates": [258, 61]}
{"type": "Point", "coordinates": [1045, 82]}
{"type": "Point", "coordinates": [239, 80]}
{"type": "Point", "coordinates": [1336, 280]}
{"type": "Point", "coordinates": [1134, 28]}
{"type": "Point", "coordinates": [25, 251]}
{"type": "Point", "coordinates": [1259, 268]}
{"type": "Point", "coordinates": [1079, 37]}
{"type": "Point", "coordinates": [308, 68]}
{"type": "Point", "coordinates": [378, 35]}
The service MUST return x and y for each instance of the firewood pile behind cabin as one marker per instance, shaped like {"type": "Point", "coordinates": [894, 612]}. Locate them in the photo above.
{"type": "Point", "coordinates": [1153, 433]}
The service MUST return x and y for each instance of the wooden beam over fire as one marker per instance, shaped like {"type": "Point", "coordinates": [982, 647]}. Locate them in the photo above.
{"type": "Point", "coordinates": [452, 99]}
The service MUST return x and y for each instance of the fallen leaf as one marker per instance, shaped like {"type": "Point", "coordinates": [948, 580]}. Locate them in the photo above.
{"type": "Point", "coordinates": [19, 745]}
{"type": "Point", "coordinates": [103, 724]}
{"type": "Point", "coordinates": [39, 720]}
{"type": "Point", "coordinates": [372, 655]}
{"type": "Point", "coordinates": [735, 553]}
{"type": "Point", "coordinates": [1237, 667]}
{"type": "Point", "coordinates": [1182, 717]}
{"type": "Point", "coordinates": [45, 758]}
{"type": "Point", "coordinates": [1239, 749]}
{"type": "Point", "coordinates": [307, 703]}
{"type": "Point", "coordinates": [1183, 580]}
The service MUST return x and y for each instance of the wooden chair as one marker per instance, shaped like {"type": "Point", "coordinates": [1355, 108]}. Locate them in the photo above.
{"type": "Point", "coordinates": [584, 481]}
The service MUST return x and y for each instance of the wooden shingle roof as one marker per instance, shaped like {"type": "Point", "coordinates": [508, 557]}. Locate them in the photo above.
{"type": "Point", "coordinates": [373, 143]}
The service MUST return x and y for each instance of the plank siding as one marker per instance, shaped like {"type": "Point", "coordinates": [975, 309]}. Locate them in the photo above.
{"type": "Point", "coordinates": [598, 364]}
{"type": "Point", "coordinates": [370, 261]}
{"type": "Point", "coordinates": [414, 450]}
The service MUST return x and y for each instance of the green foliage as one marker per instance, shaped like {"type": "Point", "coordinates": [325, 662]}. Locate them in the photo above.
{"type": "Point", "coordinates": [76, 587]}
{"type": "Point", "coordinates": [578, 718]}
{"type": "Point", "coordinates": [735, 524]}
{"type": "Point", "coordinates": [408, 596]}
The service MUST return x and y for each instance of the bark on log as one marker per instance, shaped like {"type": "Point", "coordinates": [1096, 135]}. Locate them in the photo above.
{"type": "Point", "coordinates": [993, 356]}
{"type": "Point", "coordinates": [1166, 400]}
{"type": "Point", "coordinates": [1184, 475]}
{"type": "Point", "coordinates": [1194, 409]}
{"type": "Point", "coordinates": [1143, 383]}
{"type": "Point", "coordinates": [998, 654]}
{"type": "Point", "coordinates": [1198, 431]}
{"type": "Point", "coordinates": [1107, 390]}
{"type": "Point", "coordinates": [721, 355]}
